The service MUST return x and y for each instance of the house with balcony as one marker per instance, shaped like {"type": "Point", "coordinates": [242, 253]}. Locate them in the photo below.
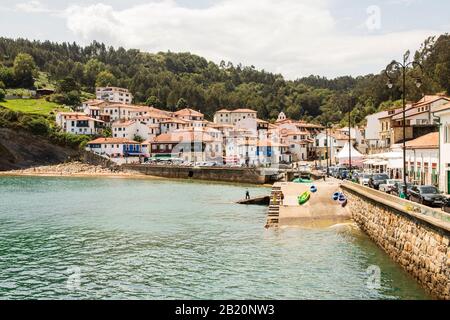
{"type": "Point", "coordinates": [114, 95]}
{"type": "Point", "coordinates": [79, 123]}
{"type": "Point", "coordinates": [114, 147]}
{"type": "Point", "coordinates": [419, 120]}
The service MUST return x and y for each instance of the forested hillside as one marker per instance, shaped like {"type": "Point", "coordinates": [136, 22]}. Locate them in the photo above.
{"type": "Point", "coordinates": [175, 80]}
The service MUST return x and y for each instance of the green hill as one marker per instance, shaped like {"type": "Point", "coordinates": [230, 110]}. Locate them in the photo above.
{"type": "Point", "coordinates": [164, 78]}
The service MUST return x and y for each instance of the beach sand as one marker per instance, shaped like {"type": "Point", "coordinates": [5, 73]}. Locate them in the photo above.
{"type": "Point", "coordinates": [76, 169]}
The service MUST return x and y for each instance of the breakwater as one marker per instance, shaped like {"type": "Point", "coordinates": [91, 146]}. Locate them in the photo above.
{"type": "Point", "coordinates": [415, 236]}
{"type": "Point", "coordinates": [238, 175]}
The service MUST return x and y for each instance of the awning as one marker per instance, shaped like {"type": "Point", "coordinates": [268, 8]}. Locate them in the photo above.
{"type": "Point", "coordinates": [395, 164]}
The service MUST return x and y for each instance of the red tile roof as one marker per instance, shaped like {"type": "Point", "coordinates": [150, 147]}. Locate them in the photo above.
{"type": "Point", "coordinates": [188, 112]}
{"type": "Point", "coordinates": [112, 141]}
{"type": "Point", "coordinates": [428, 141]}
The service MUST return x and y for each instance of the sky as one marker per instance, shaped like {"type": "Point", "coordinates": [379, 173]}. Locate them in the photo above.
{"type": "Point", "coordinates": [293, 37]}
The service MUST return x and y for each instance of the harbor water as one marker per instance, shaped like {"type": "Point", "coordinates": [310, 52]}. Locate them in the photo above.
{"type": "Point", "coordinates": [99, 238]}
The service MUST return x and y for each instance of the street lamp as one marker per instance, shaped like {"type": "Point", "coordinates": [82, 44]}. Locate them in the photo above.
{"type": "Point", "coordinates": [349, 137]}
{"type": "Point", "coordinates": [394, 71]}
{"type": "Point", "coordinates": [327, 146]}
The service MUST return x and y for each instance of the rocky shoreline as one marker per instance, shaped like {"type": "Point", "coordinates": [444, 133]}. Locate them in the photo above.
{"type": "Point", "coordinates": [75, 168]}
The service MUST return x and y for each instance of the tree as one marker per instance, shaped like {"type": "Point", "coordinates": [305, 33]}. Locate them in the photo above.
{"type": "Point", "coordinates": [181, 104]}
{"type": "Point", "coordinates": [138, 138]}
{"type": "Point", "coordinates": [24, 69]}
{"type": "Point", "coordinates": [7, 76]}
{"type": "Point", "coordinates": [91, 70]}
{"type": "Point", "coordinates": [67, 85]}
{"type": "Point", "coordinates": [153, 101]}
{"type": "Point", "coordinates": [105, 79]}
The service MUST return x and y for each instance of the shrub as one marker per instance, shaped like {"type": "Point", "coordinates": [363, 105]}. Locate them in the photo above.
{"type": "Point", "coordinates": [38, 126]}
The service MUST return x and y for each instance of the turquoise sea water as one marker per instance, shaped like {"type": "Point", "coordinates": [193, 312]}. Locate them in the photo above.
{"type": "Point", "coordinates": [71, 238]}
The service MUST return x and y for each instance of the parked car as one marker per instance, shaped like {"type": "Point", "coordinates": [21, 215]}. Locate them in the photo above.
{"type": "Point", "coordinates": [377, 179]}
{"type": "Point", "coordinates": [427, 195]}
{"type": "Point", "coordinates": [364, 178]}
{"type": "Point", "coordinates": [397, 188]}
{"type": "Point", "coordinates": [387, 187]}
{"type": "Point", "coordinates": [337, 171]}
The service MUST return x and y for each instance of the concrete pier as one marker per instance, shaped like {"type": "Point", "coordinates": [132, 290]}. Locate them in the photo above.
{"type": "Point", "coordinates": [320, 211]}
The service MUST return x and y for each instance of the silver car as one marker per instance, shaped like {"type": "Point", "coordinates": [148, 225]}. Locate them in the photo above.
{"type": "Point", "coordinates": [364, 179]}
{"type": "Point", "coordinates": [387, 187]}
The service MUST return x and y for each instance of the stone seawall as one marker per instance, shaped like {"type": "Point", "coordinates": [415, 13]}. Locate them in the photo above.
{"type": "Point", "coordinates": [414, 236]}
{"type": "Point", "coordinates": [97, 160]}
{"type": "Point", "coordinates": [239, 175]}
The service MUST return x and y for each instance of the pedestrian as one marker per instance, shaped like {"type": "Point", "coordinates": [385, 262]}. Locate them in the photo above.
{"type": "Point", "coordinates": [281, 198]}
{"type": "Point", "coordinates": [247, 195]}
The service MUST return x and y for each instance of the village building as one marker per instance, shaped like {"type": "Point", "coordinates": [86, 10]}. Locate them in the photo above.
{"type": "Point", "coordinates": [419, 120]}
{"type": "Point", "coordinates": [192, 145]}
{"type": "Point", "coordinates": [134, 129]}
{"type": "Point", "coordinates": [114, 147]}
{"type": "Point", "coordinates": [173, 124]}
{"type": "Point", "coordinates": [422, 158]}
{"type": "Point", "coordinates": [373, 130]}
{"type": "Point", "coordinates": [442, 116]}
{"type": "Point", "coordinates": [79, 123]}
{"type": "Point", "coordinates": [328, 146]}
{"type": "Point", "coordinates": [114, 95]}
{"type": "Point", "coordinates": [233, 117]}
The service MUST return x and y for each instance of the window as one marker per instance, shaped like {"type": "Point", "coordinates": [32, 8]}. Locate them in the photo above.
{"type": "Point", "coordinates": [446, 134]}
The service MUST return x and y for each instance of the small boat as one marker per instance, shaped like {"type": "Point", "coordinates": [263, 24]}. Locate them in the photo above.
{"type": "Point", "coordinates": [313, 189]}
{"type": "Point", "coordinates": [342, 199]}
{"type": "Point", "coordinates": [336, 196]}
{"type": "Point", "coordinates": [304, 197]}
{"type": "Point", "coordinates": [302, 180]}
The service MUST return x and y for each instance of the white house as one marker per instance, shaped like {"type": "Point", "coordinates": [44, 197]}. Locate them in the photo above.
{"type": "Point", "coordinates": [330, 148]}
{"type": "Point", "coordinates": [79, 123]}
{"type": "Point", "coordinates": [233, 117]}
{"type": "Point", "coordinates": [422, 158]}
{"type": "Point", "coordinates": [189, 115]}
{"type": "Point", "coordinates": [131, 129]}
{"type": "Point", "coordinates": [442, 113]}
{"type": "Point", "coordinates": [171, 125]}
{"type": "Point", "coordinates": [114, 95]}
{"type": "Point", "coordinates": [114, 147]}
{"type": "Point", "coordinates": [298, 143]}
{"type": "Point", "coordinates": [373, 129]}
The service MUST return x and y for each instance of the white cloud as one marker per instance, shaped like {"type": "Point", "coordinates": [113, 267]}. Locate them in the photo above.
{"type": "Point", "coordinates": [33, 6]}
{"type": "Point", "coordinates": [292, 37]}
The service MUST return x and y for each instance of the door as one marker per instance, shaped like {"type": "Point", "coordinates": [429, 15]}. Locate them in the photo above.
{"type": "Point", "coordinates": [448, 182]}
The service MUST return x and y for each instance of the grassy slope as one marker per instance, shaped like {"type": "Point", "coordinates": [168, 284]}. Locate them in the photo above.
{"type": "Point", "coordinates": [33, 106]}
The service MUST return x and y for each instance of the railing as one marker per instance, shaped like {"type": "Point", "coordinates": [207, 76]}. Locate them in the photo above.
{"type": "Point", "coordinates": [412, 208]}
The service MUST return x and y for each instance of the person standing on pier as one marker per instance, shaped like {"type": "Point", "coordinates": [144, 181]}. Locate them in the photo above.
{"type": "Point", "coordinates": [247, 195]}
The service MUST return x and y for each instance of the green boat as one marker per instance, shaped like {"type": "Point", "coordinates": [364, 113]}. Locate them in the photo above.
{"type": "Point", "coordinates": [304, 197]}
{"type": "Point", "coordinates": [303, 180]}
